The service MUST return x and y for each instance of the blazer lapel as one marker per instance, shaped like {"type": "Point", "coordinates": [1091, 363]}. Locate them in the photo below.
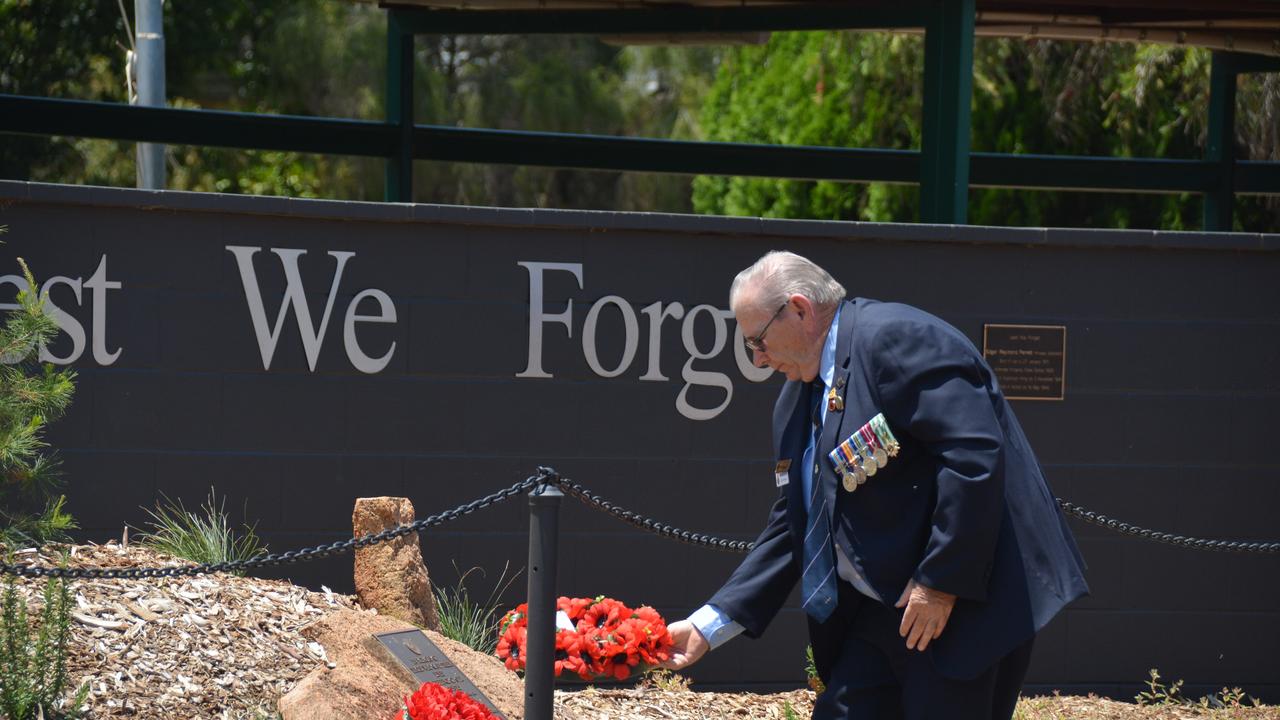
{"type": "Point", "coordinates": [791, 428]}
{"type": "Point", "coordinates": [835, 418]}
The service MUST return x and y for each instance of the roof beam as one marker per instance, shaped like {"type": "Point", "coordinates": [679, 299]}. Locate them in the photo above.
{"type": "Point", "coordinates": [666, 20]}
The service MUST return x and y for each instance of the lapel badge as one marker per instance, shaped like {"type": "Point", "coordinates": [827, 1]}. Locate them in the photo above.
{"type": "Point", "coordinates": [835, 403]}
{"type": "Point", "coordinates": [781, 473]}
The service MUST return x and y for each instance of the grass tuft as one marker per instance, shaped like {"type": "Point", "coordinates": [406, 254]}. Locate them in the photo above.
{"type": "Point", "coordinates": [472, 623]}
{"type": "Point", "coordinates": [201, 537]}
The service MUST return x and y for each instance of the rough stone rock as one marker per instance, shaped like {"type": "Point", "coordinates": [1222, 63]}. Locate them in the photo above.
{"type": "Point", "coordinates": [390, 575]}
{"type": "Point", "coordinates": [366, 683]}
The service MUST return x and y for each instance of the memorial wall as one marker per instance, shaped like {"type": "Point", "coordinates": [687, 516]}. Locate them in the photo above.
{"type": "Point", "coordinates": [298, 354]}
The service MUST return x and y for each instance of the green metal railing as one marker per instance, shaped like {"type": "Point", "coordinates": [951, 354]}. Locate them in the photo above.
{"type": "Point", "coordinates": [944, 167]}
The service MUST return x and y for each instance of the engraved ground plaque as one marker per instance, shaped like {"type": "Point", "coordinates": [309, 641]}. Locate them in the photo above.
{"type": "Point", "coordinates": [426, 662]}
{"type": "Point", "coordinates": [1029, 360]}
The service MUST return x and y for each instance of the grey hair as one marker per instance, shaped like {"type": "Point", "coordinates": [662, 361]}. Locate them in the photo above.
{"type": "Point", "coordinates": [780, 274]}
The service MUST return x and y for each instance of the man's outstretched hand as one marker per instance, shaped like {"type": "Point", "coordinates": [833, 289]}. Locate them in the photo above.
{"type": "Point", "coordinates": [688, 645]}
{"type": "Point", "coordinates": [926, 614]}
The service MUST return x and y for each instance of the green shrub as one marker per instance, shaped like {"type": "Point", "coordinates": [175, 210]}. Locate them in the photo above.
{"type": "Point", "coordinates": [32, 394]}
{"type": "Point", "coordinates": [33, 670]}
{"type": "Point", "coordinates": [201, 537]}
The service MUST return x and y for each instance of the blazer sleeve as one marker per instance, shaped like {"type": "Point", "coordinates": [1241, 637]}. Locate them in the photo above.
{"type": "Point", "coordinates": [933, 383]}
{"type": "Point", "coordinates": [756, 591]}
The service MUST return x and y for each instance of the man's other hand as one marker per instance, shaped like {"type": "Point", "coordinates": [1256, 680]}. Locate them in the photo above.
{"type": "Point", "coordinates": [926, 614]}
{"type": "Point", "coordinates": [688, 645]}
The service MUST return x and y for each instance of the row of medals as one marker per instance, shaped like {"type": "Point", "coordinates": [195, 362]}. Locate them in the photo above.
{"type": "Point", "coordinates": [875, 445]}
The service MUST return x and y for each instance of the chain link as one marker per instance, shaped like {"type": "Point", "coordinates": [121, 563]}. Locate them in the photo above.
{"type": "Point", "coordinates": [648, 524]}
{"type": "Point", "coordinates": [1155, 536]}
{"type": "Point", "coordinates": [290, 556]}
{"type": "Point", "coordinates": [548, 476]}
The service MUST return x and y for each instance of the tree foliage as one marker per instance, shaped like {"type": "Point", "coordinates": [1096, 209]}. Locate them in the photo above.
{"type": "Point", "coordinates": [843, 89]}
{"type": "Point", "coordinates": [31, 396]}
{"type": "Point", "coordinates": [323, 58]}
{"type": "Point", "coordinates": [848, 89]}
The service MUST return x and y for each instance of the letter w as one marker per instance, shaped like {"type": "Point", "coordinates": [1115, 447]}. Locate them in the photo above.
{"type": "Point", "coordinates": [293, 295]}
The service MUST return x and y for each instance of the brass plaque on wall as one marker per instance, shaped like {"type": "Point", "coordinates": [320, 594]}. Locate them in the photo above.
{"type": "Point", "coordinates": [427, 663]}
{"type": "Point", "coordinates": [1029, 361]}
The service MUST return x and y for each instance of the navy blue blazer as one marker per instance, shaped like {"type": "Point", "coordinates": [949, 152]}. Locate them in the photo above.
{"type": "Point", "coordinates": [964, 507]}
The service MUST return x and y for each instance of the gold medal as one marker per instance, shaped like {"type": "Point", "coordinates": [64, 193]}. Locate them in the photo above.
{"type": "Point", "coordinates": [882, 457]}
{"type": "Point", "coordinates": [859, 474]}
{"type": "Point", "coordinates": [849, 481]}
{"type": "Point", "coordinates": [885, 435]}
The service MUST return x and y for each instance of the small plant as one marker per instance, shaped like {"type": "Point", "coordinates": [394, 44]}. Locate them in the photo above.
{"type": "Point", "coordinates": [1158, 694]}
{"type": "Point", "coordinates": [789, 712]}
{"type": "Point", "coordinates": [472, 623]}
{"type": "Point", "coordinates": [33, 671]}
{"type": "Point", "coordinates": [1229, 698]}
{"type": "Point", "coordinates": [811, 670]}
{"type": "Point", "coordinates": [204, 537]}
{"type": "Point", "coordinates": [665, 680]}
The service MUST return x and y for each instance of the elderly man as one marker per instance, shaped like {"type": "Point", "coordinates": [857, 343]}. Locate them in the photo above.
{"type": "Point", "coordinates": [911, 509]}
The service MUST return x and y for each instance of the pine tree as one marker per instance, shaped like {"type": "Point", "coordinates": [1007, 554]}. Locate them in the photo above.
{"type": "Point", "coordinates": [32, 394]}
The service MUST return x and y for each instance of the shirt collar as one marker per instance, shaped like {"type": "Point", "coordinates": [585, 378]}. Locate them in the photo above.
{"type": "Point", "coordinates": [827, 365]}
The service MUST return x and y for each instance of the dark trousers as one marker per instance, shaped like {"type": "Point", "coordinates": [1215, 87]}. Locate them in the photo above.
{"type": "Point", "coordinates": [873, 676]}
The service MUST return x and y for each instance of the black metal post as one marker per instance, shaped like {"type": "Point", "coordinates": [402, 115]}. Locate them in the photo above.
{"type": "Point", "coordinates": [1220, 143]}
{"type": "Point", "coordinates": [540, 645]}
{"type": "Point", "coordinates": [948, 92]}
{"type": "Point", "coordinates": [399, 109]}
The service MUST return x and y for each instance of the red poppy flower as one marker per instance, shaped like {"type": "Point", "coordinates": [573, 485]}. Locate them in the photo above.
{"type": "Point", "coordinates": [649, 615]}
{"type": "Point", "coordinates": [512, 644]}
{"type": "Point", "coordinates": [604, 614]}
{"type": "Point", "coordinates": [574, 607]}
{"type": "Point", "coordinates": [568, 655]}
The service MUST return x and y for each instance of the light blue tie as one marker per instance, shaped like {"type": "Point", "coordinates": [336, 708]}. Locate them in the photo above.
{"type": "Point", "coordinates": [818, 580]}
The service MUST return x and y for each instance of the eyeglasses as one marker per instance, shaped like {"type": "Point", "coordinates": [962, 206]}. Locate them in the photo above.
{"type": "Point", "coordinates": [757, 343]}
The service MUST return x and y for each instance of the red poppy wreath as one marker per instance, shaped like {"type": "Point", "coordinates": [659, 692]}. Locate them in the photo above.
{"type": "Point", "coordinates": [436, 702]}
{"type": "Point", "coordinates": [608, 640]}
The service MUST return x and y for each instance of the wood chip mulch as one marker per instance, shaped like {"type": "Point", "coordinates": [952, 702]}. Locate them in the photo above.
{"type": "Point", "coordinates": [226, 648]}
{"type": "Point", "coordinates": [657, 704]}
{"type": "Point", "coordinates": [215, 646]}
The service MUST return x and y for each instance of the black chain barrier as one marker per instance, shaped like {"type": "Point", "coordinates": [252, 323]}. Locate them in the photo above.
{"type": "Point", "coordinates": [1155, 536]}
{"type": "Point", "coordinates": [548, 476]}
{"type": "Point", "coordinates": [544, 476]}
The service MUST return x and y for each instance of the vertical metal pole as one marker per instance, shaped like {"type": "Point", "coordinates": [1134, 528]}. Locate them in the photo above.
{"type": "Point", "coordinates": [399, 108]}
{"type": "Point", "coordinates": [948, 92]}
{"type": "Point", "coordinates": [540, 644]}
{"type": "Point", "coordinates": [148, 66]}
{"type": "Point", "coordinates": [1220, 145]}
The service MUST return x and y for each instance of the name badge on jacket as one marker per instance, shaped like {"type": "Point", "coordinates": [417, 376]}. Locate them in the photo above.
{"type": "Point", "coordinates": [781, 474]}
